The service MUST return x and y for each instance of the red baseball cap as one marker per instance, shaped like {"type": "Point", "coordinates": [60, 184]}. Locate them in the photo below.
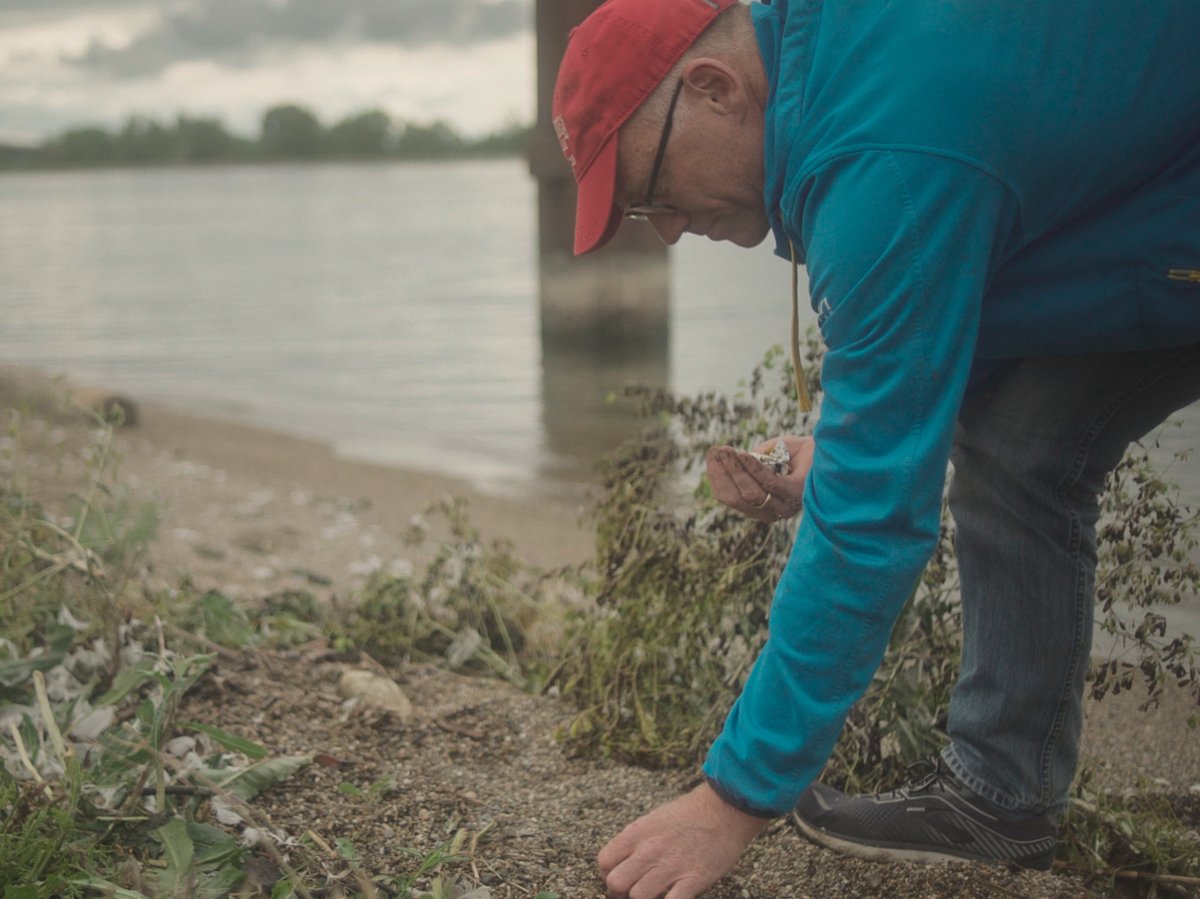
{"type": "Point", "coordinates": [614, 61]}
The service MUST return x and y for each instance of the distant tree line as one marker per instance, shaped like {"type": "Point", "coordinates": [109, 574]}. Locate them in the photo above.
{"type": "Point", "coordinates": [287, 133]}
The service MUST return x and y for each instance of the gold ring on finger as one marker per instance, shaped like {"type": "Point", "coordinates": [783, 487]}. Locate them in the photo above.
{"type": "Point", "coordinates": [766, 499]}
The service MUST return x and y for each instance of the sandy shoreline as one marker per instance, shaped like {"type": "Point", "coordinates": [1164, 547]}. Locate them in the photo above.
{"type": "Point", "coordinates": [251, 510]}
{"type": "Point", "coordinates": [546, 529]}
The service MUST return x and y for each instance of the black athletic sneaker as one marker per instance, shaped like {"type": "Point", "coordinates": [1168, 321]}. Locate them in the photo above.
{"type": "Point", "coordinates": [932, 818]}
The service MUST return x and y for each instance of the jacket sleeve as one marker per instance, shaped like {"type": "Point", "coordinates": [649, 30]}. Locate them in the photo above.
{"type": "Point", "coordinates": [900, 247]}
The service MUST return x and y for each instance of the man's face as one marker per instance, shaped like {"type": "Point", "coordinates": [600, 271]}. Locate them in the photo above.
{"type": "Point", "coordinates": [710, 181]}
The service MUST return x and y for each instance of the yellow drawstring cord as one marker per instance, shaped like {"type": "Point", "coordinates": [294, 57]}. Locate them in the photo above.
{"type": "Point", "coordinates": [802, 395]}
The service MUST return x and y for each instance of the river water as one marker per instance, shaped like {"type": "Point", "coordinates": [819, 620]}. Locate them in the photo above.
{"type": "Point", "coordinates": [390, 310]}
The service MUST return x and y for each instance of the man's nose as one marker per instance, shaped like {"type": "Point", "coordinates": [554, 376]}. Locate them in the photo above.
{"type": "Point", "coordinates": [669, 227]}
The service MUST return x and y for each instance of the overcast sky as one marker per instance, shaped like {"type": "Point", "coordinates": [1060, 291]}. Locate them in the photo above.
{"type": "Point", "coordinates": [71, 62]}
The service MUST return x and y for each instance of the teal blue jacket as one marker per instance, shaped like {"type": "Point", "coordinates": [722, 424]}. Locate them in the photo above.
{"type": "Point", "coordinates": [966, 181]}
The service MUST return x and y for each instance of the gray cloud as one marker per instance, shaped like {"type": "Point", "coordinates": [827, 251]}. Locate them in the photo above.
{"type": "Point", "coordinates": [70, 5]}
{"type": "Point", "coordinates": [237, 32]}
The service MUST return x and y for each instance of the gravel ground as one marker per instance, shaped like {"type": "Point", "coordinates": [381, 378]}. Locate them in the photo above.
{"type": "Point", "coordinates": [480, 756]}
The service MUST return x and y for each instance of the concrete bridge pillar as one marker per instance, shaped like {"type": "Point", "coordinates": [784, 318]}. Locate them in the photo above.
{"type": "Point", "coordinates": [620, 294]}
{"type": "Point", "coordinates": [604, 316]}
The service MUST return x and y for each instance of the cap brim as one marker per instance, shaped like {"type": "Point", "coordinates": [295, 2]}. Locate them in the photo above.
{"type": "Point", "coordinates": [597, 217]}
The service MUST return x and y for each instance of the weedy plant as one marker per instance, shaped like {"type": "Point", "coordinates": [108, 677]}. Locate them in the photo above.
{"type": "Point", "coordinates": [474, 607]}
{"type": "Point", "coordinates": [1140, 838]}
{"type": "Point", "coordinates": [685, 587]}
{"type": "Point", "coordinates": [1147, 551]}
{"type": "Point", "coordinates": [102, 787]}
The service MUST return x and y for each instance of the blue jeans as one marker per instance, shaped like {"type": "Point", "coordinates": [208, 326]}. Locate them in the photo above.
{"type": "Point", "coordinates": [1030, 456]}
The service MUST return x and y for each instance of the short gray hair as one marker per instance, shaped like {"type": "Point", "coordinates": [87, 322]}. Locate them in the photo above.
{"type": "Point", "coordinates": [720, 40]}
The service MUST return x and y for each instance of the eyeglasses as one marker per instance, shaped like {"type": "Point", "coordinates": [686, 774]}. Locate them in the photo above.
{"type": "Point", "coordinates": [643, 210]}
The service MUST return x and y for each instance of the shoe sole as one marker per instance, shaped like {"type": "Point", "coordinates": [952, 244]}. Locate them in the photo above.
{"type": "Point", "coordinates": [893, 853]}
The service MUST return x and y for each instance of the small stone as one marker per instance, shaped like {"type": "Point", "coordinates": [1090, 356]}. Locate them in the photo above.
{"type": "Point", "coordinates": [477, 893]}
{"type": "Point", "coordinates": [374, 690]}
{"type": "Point", "coordinates": [180, 746]}
{"type": "Point", "coordinates": [224, 814]}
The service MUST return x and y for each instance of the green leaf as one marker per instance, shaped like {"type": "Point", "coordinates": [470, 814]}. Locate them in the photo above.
{"type": "Point", "coordinates": [21, 892]}
{"type": "Point", "coordinates": [216, 863]}
{"type": "Point", "coordinates": [126, 681]}
{"type": "Point", "coordinates": [185, 673]}
{"type": "Point", "coordinates": [219, 883]}
{"type": "Point", "coordinates": [213, 845]}
{"type": "Point", "coordinates": [178, 852]}
{"type": "Point", "coordinates": [107, 888]}
{"type": "Point", "coordinates": [58, 638]}
{"type": "Point", "coordinates": [283, 889]}
{"type": "Point", "coordinates": [346, 850]}
{"type": "Point", "coordinates": [246, 783]}
{"type": "Point", "coordinates": [230, 741]}
{"type": "Point", "coordinates": [17, 671]}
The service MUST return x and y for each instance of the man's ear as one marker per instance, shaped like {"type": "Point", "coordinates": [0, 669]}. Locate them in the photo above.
{"type": "Point", "coordinates": [717, 83]}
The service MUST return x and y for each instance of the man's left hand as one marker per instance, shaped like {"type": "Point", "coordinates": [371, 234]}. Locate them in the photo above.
{"type": "Point", "coordinates": [678, 850]}
{"type": "Point", "coordinates": [743, 483]}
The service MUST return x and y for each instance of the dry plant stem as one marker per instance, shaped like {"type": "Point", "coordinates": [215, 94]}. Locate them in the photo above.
{"type": "Point", "coordinates": [368, 888]}
{"type": "Point", "coordinates": [1176, 879]}
{"type": "Point", "coordinates": [104, 453]}
{"type": "Point", "coordinates": [321, 844]}
{"type": "Point", "coordinates": [85, 561]}
{"type": "Point", "coordinates": [471, 853]}
{"type": "Point", "coordinates": [64, 751]}
{"type": "Point", "coordinates": [58, 564]}
{"type": "Point", "coordinates": [24, 754]}
{"type": "Point", "coordinates": [1172, 879]}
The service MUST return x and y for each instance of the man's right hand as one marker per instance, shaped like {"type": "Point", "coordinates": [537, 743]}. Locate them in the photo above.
{"type": "Point", "coordinates": [743, 483]}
